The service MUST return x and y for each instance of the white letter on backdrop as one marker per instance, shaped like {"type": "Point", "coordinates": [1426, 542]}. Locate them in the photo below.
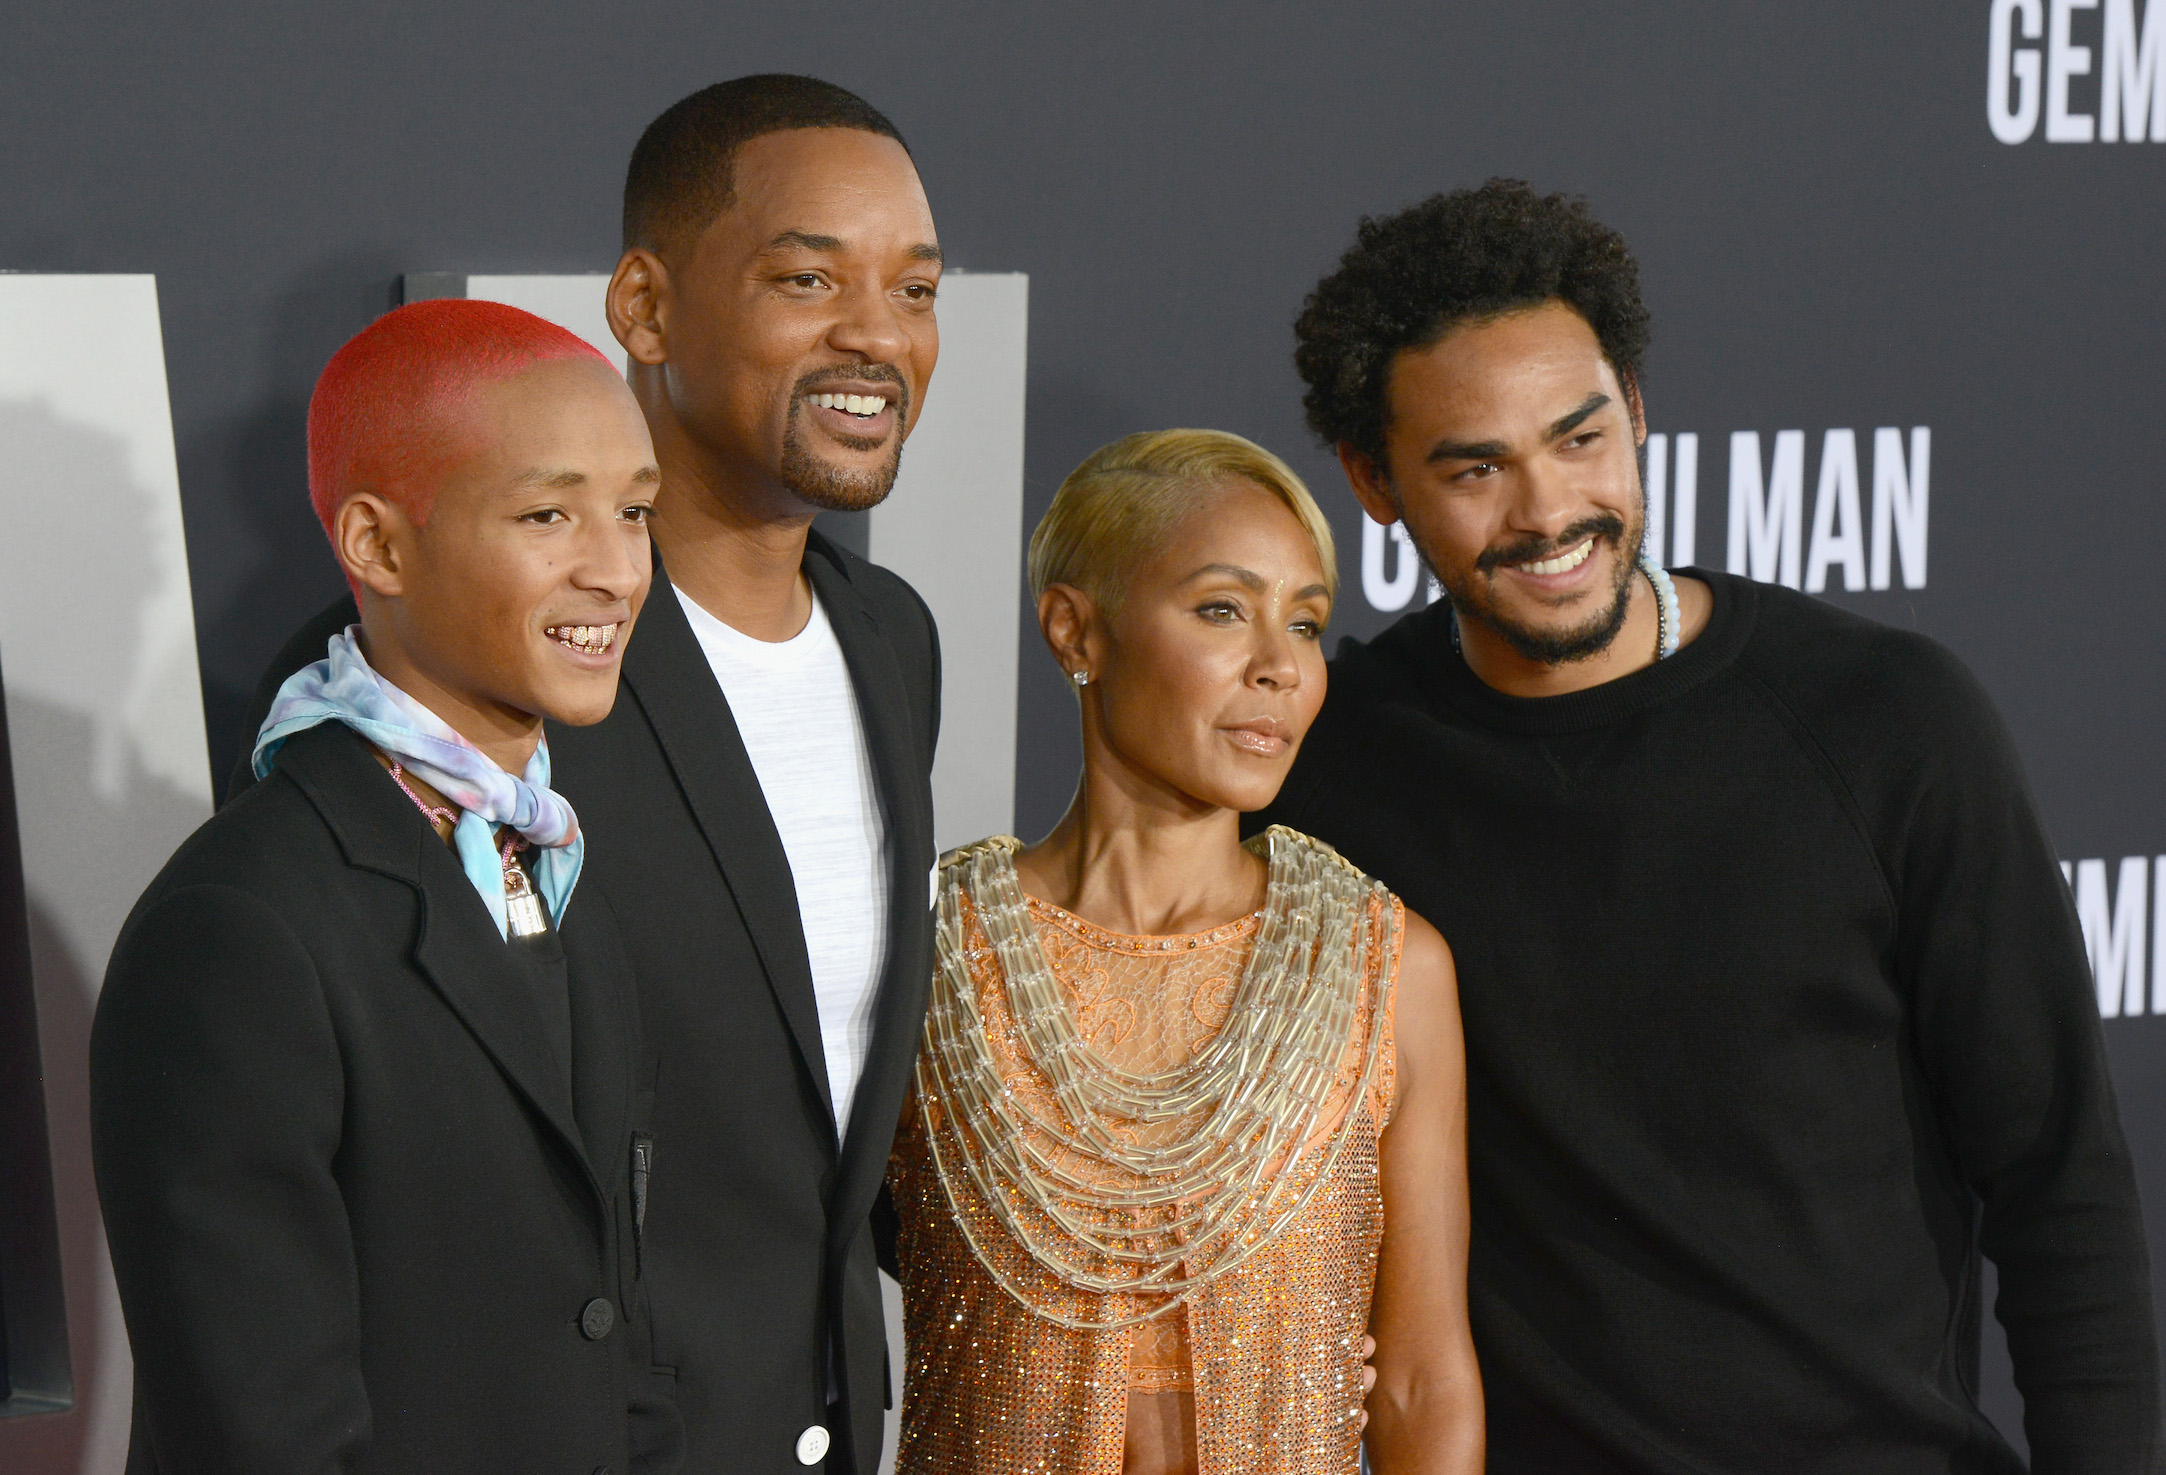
{"type": "Point", "coordinates": [2006, 60]}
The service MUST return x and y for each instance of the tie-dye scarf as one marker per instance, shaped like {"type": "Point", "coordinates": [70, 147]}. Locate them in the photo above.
{"type": "Point", "coordinates": [343, 688]}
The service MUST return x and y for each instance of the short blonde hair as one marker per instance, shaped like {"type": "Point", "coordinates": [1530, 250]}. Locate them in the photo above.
{"type": "Point", "coordinates": [1126, 499]}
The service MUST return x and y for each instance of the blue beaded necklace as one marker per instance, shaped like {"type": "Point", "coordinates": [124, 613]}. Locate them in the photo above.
{"type": "Point", "coordinates": [1666, 621]}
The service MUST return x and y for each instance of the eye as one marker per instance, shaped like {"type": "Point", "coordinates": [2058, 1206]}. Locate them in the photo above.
{"type": "Point", "coordinates": [1219, 611]}
{"type": "Point", "coordinates": [808, 280]}
{"type": "Point", "coordinates": [639, 514]}
{"type": "Point", "coordinates": [1584, 438]}
{"type": "Point", "coordinates": [1479, 471]}
{"type": "Point", "coordinates": [543, 516]}
{"type": "Point", "coordinates": [921, 291]}
{"type": "Point", "coordinates": [1308, 629]}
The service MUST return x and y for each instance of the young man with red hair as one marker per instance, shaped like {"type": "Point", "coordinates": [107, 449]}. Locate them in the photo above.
{"type": "Point", "coordinates": [362, 1077]}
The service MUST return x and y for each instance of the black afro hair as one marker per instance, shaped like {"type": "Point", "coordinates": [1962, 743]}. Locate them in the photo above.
{"type": "Point", "coordinates": [1454, 258]}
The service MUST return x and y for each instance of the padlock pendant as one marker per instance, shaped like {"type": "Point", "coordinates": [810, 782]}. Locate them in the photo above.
{"type": "Point", "coordinates": [522, 908]}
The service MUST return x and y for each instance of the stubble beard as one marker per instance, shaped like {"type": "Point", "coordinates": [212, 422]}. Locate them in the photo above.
{"type": "Point", "coordinates": [1468, 590]}
{"type": "Point", "coordinates": [827, 487]}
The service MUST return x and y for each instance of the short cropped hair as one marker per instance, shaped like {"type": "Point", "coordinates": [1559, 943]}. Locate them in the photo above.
{"type": "Point", "coordinates": [683, 170]}
{"type": "Point", "coordinates": [1462, 257]}
{"type": "Point", "coordinates": [387, 410]}
{"type": "Point", "coordinates": [1127, 498]}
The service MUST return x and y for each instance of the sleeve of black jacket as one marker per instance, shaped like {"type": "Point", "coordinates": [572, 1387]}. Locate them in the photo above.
{"type": "Point", "coordinates": [2008, 1037]}
{"type": "Point", "coordinates": [216, 1101]}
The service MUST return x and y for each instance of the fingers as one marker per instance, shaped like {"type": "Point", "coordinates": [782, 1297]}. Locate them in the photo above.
{"type": "Point", "coordinates": [1368, 1377]}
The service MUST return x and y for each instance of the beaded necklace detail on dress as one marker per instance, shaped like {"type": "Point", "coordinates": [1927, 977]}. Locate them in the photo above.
{"type": "Point", "coordinates": [1147, 1184]}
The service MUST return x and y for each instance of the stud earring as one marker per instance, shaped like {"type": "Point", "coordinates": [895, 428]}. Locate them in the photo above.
{"type": "Point", "coordinates": [1080, 678]}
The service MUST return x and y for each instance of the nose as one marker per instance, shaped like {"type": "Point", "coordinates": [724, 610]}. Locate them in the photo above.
{"type": "Point", "coordinates": [868, 326]}
{"type": "Point", "coordinates": [1546, 501]}
{"type": "Point", "coordinates": [1272, 665]}
{"type": "Point", "coordinates": [613, 560]}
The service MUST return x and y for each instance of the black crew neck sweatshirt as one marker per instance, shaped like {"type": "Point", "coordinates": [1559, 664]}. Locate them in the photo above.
{"type": "Point", "coordinates": [1777, 1015]}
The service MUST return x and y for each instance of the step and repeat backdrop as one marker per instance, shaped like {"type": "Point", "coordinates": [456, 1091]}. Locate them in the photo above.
{"type": "Point", "coordinates": [1905, 265]}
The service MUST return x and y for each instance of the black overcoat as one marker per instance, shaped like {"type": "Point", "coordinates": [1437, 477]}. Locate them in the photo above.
{"type": "Point", "coordinates": [363, 1214]}
{"type": "Point", "coordinates": [758, 1253]}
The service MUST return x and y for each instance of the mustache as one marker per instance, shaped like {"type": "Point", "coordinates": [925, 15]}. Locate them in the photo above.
{"type": "Point", "coordinates": [1607, 525]}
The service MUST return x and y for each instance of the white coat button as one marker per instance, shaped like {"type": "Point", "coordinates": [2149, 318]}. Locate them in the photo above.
{"type": "Point", "coordinates": [812, 1446]}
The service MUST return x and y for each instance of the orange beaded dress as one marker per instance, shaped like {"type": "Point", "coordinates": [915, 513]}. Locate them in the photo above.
{"type": "Point", "coordinates": [1044, 1276]}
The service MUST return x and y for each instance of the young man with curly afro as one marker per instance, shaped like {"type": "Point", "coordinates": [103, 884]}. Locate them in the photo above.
{"type": "Point", "coordinates": [1777, 1011]}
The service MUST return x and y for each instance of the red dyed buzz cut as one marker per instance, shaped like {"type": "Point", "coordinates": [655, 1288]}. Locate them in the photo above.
{"type": "Point", "coordinates": [389, 408]}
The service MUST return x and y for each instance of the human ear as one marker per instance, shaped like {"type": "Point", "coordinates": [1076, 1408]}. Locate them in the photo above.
{"type": "Point", "coordinates": [1065, 617]}
{"type": "Point", "coordinates": [1371, 489]}
{"type": "Point", "coordinates": [634, 304]}
{"type": "Point", "coordinates": [368, 535]}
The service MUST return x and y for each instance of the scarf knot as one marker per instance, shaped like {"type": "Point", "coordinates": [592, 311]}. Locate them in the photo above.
{"type": "Point", "coordinates": [344, 688]}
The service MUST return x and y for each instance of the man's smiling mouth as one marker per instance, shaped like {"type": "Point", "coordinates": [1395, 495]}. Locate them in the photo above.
{"type": "Point", "coordinates": [864, 406]}
{"type": "Point", "coordinates": [1563, 563]}
{"type": "Point", "coordinates": [588, 640]}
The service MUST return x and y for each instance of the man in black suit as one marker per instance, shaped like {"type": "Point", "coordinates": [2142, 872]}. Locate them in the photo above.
{"type": "Point", "coordinates": [364, 1085]}
{"type": "Point", "coordinates": [759, 804]}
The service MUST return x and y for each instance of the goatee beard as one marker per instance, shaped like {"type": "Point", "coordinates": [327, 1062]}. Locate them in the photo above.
{"type": "Point", "coordinates": [826, 487]}
{"type": "Point", "coordinates": [1548, 646]}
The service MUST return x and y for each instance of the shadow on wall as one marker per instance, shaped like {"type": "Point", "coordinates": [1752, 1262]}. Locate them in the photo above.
{"type": "Point", "coordinates": [100, 806]}
{"type": "Point", "coordinates": [34, 1373]}
{"type": "Point", "coordinates": [246, 476]}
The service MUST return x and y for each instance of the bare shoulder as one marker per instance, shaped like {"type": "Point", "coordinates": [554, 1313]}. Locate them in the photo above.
{"type": "Point", "coordinates": [1427, 977]}
{"type": "Point", "coordinates": [1425, 1005]}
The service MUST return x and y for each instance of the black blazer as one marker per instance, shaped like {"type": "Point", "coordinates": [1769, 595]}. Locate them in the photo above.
{"type": "Point", "coordinates": [759, 1258]}
{"type": "Point", "coordinates": [363, 1216]}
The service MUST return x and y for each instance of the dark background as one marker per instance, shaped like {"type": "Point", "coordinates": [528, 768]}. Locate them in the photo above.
{"type": "Point", "coordinates": [1830, 236]}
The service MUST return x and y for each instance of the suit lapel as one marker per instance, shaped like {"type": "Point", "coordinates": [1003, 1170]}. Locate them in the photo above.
{"type": "Point", "coordinates": [901, 771]}
{"type": "Point", "coordinates": [667, 674]}
{"type": "Point", "coordinates": [460, 952]}
{"type": "Point", "coordinates": [457, 947]}
{"type": "Point", "coordinates": [603, 1031]}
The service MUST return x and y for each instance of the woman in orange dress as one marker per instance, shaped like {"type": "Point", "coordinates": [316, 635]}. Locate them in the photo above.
{"type": "Point", "coordinates": [1189, 1114]}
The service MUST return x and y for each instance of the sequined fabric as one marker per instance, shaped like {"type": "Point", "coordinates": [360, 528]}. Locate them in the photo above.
{"type": "Point", "coordinates": [1271, 1349]}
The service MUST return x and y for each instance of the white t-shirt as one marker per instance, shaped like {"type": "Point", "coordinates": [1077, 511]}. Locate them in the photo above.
{"type": "Point", "coordinates": [797, 712]}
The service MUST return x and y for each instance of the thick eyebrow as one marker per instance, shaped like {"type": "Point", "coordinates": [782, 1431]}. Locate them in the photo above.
{"type": "Point", "coordinates": [647, 476]}
{"type": "Point", "coordinates": [1466, 450]}
{"type": "Point", "coordinates": [1314, 591]}
{"type": "Point", "coordinates": [1489, 450]}
{"type": "Point", "coordinates": [1565, 425]}
{"type": "Point", "coordinates": [800, 240]}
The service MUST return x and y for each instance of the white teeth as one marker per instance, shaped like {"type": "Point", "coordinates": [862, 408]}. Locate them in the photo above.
{"type": "Point", "coordinates": [1563, 565]}
{"type": "Point", "coordinates": [862, 405]}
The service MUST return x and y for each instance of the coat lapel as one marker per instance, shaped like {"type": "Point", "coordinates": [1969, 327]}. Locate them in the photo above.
{"type": "Point", "coordinates": [460, 952]}
{"type": "Point", "coordinates": [901, 769]}
{"type": "Point", "coordinates": [667, 674]}
{"type": "Point", "coordinates": [457, 947]}
{"type": "Point", "coordinates": [603, 1031]}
